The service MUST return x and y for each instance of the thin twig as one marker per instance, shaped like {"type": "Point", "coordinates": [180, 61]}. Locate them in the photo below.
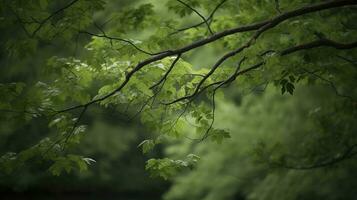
{"type": "Point", "coordinates": [43, 22]}
{"type": "Point", "coordinates": [199, 14]}
{"type": "Point", "coordinates": [208, 20]}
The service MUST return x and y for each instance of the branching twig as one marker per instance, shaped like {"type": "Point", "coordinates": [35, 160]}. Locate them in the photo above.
{"type": "Point", "coordinates": [348, 153]}
{"type": "Point", "coordinates": [161, 82]}
{"type": "Point", "coordinates": [208, 20]}
{"type": "Point", "coordinates": [206, 134]}
{"type": "Point", "coordinates": [110, 38]}
{"type": "Point", "coordinates": [43, 22]}
{"type": "Point", "coordinates": [167, 72]}
{"type": "Point", "coordinates": [230, 79]}
{"type": "Point", "coordinates": [20, 21]}
{"type": "Point", "coordinates": [75, 125]}
{"type": "Point", "coordinates": [277, 6]}
{"type": "Point", "coordinates": [69, 134]}
{"type": "Point", "coordinates": [353, 62]}
{"type": "Point", "coordinates": [199, 14]}
{"type": "Point", "coordinates": [332, 85]}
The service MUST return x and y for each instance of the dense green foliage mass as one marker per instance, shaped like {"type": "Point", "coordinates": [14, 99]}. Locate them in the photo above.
{"type": "Point", "coordinates": [256, 98]}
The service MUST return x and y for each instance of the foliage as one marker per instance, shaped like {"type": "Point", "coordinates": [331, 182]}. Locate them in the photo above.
{"type": "Point", "coordinates": [155, 70]}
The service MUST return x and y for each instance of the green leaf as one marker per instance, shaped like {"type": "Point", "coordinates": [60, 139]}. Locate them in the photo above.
{"type": "Point", "coordinates": [147, 145]}
{"type": "Point", "coordinates": [69, 163]}
{"type": "Point", "coordinates": [290, 88]}
{"type": "Point", "coordinates": [283, 89]}
{"type": "Point", "coordinates": [217, 135]}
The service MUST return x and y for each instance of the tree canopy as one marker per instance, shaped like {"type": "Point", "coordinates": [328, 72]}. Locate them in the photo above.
{"type": "Point", "coordinates": [198, 76]}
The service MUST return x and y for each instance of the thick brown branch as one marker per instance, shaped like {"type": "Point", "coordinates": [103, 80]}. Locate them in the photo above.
{"type": "Point", "coordinates": [319, 43]}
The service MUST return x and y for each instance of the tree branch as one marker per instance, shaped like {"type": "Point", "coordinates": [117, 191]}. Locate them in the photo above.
{"type": "Point", "coordinates": [260, 27]}
{"type": "Point", "coordinates": [332, 85]}
{"type": "Point", "coordinates": [348, 153]}
{"type": "Point", "coordinates": [353, 62]}
{"type": "Point", "coordinates": [319, 43]}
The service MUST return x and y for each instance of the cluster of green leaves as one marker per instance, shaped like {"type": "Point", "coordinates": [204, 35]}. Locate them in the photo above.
{"type": "Point", "coordinates": [166, 168]}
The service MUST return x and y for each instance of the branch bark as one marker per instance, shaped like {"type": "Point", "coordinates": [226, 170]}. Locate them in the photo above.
{"type": "Point", "coordinates": [319, 43]}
